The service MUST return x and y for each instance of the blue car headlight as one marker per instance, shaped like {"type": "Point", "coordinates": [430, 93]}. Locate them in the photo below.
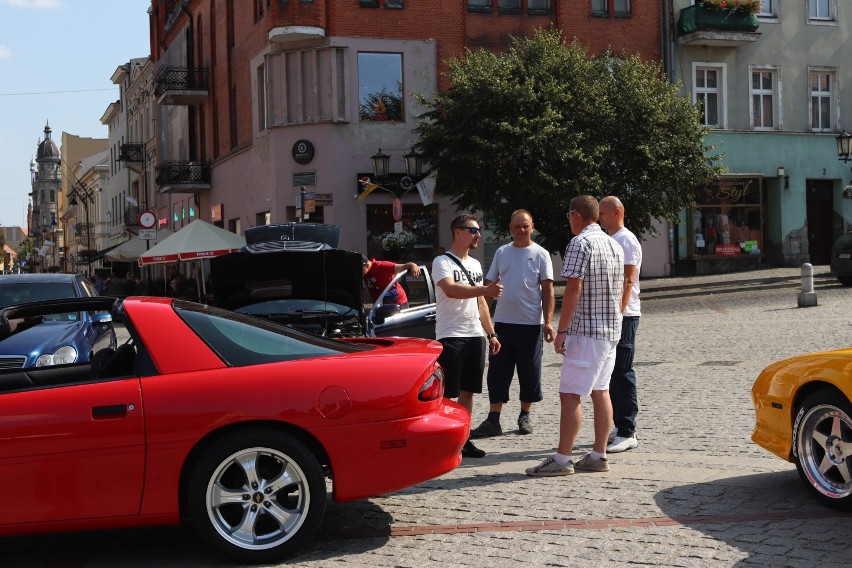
{"type": "Point", "coordinates": [62, 356]}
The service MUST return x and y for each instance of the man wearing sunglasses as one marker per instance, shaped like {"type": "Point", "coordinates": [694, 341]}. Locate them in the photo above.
{"type": "Point", "coordinates": [463, 322]}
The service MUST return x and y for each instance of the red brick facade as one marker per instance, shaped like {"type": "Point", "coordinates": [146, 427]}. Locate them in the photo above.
{"type": "Point", "coordinates": [226, 34]}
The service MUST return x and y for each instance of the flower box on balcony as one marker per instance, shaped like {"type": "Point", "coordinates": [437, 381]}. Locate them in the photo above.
{"type": "Point", "coordinates": [699, 17]}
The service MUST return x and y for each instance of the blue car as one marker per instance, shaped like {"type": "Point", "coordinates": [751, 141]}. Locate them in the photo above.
{"type": "Point", "coordinates": [56, 339]}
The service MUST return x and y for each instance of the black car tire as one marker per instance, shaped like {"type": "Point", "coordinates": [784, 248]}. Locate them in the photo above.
{"type": "Point", "coordinates": [257, 495]}
{"type": "Point", "coordinates": [822, 443]}
{"type": "Point", "coordinates": [845, 280]}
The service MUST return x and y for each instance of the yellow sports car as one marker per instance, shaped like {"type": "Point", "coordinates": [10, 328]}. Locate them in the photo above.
{"type": "Point", "coordinates": [803, 414]}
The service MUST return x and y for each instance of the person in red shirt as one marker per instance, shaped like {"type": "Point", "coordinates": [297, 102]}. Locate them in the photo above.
{"type": "Point", "coordinates": [378, 274]}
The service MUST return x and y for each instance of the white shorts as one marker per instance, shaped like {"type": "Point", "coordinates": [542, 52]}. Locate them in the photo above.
{"type": "Point", "coordinates": [586, 365]}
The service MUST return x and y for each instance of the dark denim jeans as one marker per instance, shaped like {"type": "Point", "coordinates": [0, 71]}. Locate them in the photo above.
{"type": "Point", "coordinates": [622, 385]}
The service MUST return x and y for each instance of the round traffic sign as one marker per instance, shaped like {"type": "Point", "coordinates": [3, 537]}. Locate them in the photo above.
{"type": "Point", "coordinates": [147, 220]}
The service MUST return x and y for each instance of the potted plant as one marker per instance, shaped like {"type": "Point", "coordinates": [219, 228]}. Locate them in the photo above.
{"type": "Point", "coordinates": [396, 245]}
{"type": "Point", "coordinates": [748, 7]}
{"type": "Point", "coordinates": [726, 15]}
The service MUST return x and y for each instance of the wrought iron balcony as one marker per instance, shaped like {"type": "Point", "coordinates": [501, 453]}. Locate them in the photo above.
{"type": "Point", "coordinates": [700, 25]}
{"type": "Point", "coordinates": [181, 85]}
{"type": "Point", "coordinates": [131, 216]}
{"type": "Point", "coordinates": [130, 152]}
{"type": "Point", "coordinates": [183, 177]}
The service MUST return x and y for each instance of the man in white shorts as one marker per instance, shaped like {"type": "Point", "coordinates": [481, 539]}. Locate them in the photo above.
{"type": "Point", "coordinates": [587, 334]}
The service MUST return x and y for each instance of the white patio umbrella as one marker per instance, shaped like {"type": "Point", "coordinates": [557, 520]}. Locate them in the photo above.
{"type": "Point", "coordinates": [196, 241]}
{"type": "Point", "coordinates": [129, 251]}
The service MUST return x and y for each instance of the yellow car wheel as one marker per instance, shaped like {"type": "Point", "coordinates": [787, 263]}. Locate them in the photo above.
{"type": "Point", "coordinates": [822, 437]}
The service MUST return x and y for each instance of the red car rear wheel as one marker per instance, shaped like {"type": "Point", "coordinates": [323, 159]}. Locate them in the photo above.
{"type": "Point", "coordinates": [257, 495]}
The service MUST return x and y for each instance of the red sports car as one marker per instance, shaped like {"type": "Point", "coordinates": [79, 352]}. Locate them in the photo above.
{"type": "Point", "coordinates": [231, 421]}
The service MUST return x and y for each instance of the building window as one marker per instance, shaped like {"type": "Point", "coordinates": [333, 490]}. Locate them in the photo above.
{"type": "Point", "coordinates": [397, 4]}
{"type": "Point", "coordinates": [368, 3]}
{"type": "Point", "coordinates": [727, 218]}
{"type": "Point", "coordinates": [768, 9]}
{"type": "Point", "coordinates": [235, 226]}
{"type": "Point", "coordinates": [825, 10]}
{"type": "Point", "coordinates": [708, 93]}
{"type": "Point", "coordinates": [478, 5]}
{"type": "Point", "coordinates": [258, 9]}
{"type": "Point", "coordinates": [263, 218]}
{"type": "Point", "coordinates": [763, 97]}
{"type": "Point", "coordinates": [538, 5]}
{"type": "Point", "coordinates": [619, 7]}
{"type": "Point", "coordinates": [509, 6]}
{"type": "Point", "coordinates": [822, 99]}
{"type": "Point", "coordinates": [380, 87]}
{"type": "Point", "coordinates": [261, 98]}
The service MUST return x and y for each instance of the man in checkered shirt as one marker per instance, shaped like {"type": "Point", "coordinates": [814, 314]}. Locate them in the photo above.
{"type": "Point", "coordinates": [587, 334]}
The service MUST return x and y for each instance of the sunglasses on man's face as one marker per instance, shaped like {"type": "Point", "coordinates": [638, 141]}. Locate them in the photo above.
{"type": "Point", "coordinates": [472, 230]}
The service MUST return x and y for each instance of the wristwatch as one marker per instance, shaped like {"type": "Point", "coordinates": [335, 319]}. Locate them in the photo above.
{"type": "Point", "coordinates": [490, 335]}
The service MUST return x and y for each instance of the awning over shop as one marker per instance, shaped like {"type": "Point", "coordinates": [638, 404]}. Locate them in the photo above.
{"type": "Point", "coordinates": [96, 256]}
{"type": "Point", "coordinates": [130, 250]}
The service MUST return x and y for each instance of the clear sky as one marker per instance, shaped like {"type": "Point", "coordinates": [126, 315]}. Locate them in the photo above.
{"type": "Point", "coordinates": [56, 60]}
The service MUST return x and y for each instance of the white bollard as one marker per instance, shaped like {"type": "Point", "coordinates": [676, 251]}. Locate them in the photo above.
{"type": "Point", "coordinates": [807, 297]}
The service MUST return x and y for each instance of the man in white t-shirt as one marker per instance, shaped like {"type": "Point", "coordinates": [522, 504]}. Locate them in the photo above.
{"type": "Point", "coordinates": [461, 315]}
{"type": "Point", "coordinates": [622, 386]}
{"type": "Point", "coordinates": [521, 320]}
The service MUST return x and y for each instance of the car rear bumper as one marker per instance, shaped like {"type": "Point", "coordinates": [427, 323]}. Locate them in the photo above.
{"type": "Point", "coordinates": [380, 457]}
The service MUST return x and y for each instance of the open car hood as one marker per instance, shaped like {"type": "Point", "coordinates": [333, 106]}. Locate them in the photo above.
{"type": "Point", "coordinates": [257, 274]}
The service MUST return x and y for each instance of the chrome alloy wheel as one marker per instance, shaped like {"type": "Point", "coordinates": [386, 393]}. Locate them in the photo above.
{"type": "Point", "coordinates": [258, 498]}
{"type": "Point", "coordinates": [824, 448]}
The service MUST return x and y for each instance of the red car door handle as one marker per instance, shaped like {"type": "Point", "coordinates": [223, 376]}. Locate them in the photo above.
{"type": "Point", "coordinates": [112, 411]}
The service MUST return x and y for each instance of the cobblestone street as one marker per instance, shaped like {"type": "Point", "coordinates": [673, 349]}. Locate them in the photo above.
{"type": "Point", "coordinates": [696, 492]}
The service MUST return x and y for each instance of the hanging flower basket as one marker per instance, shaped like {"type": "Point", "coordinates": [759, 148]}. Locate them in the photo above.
{"type": "Point", "coordinates": [704, 17]}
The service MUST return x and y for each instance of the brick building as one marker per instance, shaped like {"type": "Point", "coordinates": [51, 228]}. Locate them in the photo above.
{"type": "Point", "coordinates": [261, 101]}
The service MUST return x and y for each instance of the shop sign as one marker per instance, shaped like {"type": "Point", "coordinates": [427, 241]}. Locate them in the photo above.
{"type": "Point", "coordinates": [730, 191]}
{"type": "Point", "coordinates": [303, 151]}
{"type": "Point", "coordinates": [728, 249]}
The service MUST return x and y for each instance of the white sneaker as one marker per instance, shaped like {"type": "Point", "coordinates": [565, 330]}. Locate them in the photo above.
{"type": "Point", "coordinates": [620, 444]}
{"type": "Point", "coordinates": [612, 435]}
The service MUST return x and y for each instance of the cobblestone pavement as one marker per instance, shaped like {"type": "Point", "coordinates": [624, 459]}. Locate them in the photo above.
{"type": "Point", "coordinates": [696, 492]}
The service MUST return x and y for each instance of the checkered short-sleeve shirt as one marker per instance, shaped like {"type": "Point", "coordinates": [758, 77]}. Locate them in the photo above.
{"type": "Point", "coordinates": [598, 260]}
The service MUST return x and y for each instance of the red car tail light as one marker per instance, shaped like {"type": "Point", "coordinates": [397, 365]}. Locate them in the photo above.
{"type": "Point", "coordinates": [434, 387]}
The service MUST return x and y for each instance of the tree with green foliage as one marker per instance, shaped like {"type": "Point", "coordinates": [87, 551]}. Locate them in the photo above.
{"type": "Point", "coordinates": [544, 122]}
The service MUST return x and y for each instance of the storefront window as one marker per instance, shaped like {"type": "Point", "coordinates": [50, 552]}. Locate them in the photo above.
{"type": "Point", "coordinates": [727, 219]}
{"type": "Point", "coordinates": [421, 221]}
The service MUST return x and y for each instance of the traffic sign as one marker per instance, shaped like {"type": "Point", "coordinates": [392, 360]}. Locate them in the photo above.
{"type": "Point", "coordinates": [147, 219]}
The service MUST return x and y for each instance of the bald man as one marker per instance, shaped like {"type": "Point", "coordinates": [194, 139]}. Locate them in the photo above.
{"type": "Point", "coordinates": [622, 386]}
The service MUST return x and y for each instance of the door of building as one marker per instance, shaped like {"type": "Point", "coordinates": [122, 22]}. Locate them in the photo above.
{"type": "Point", "coordinates": [820, 209]}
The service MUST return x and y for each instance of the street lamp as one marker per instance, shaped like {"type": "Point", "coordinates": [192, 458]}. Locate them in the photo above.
{"type": "Point", "coordinates": [413, 163]}
{"type": "Point", "coordinates": [381, 164]}
{"type": "Point", "coordinates": [85, 196]}
{"type": "Point", "coordinates": [844, 146]}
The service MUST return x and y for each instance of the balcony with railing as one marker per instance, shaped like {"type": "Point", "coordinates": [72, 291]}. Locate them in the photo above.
{"type": "Point", "coordinates": [132, 155]}
{"type": "Point", "coordinates": [183, 86]}
{"type": "Point", "coordinates": [131, 216]}
{"type": "Point", "coordinates": [702, 25]}
{"type": "Point", "coordinates": [183, 177]}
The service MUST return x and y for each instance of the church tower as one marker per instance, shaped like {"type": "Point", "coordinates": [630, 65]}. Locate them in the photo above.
{"type": "Point", "coordinates": [46, 182]}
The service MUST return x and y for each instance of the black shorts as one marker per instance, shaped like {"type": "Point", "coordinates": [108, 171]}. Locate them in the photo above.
{"type": "Point", "coordinates": [521, 349]}
{"type": "Point", "coordinates": [463, 360]}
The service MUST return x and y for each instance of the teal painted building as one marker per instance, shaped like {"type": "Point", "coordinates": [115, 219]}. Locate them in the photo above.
{"type": "Point", "coordinates": [775, 88]}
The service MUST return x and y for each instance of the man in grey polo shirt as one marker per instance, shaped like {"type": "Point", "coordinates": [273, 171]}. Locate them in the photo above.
{"type": "Point", "coordinates": [521, 319]}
